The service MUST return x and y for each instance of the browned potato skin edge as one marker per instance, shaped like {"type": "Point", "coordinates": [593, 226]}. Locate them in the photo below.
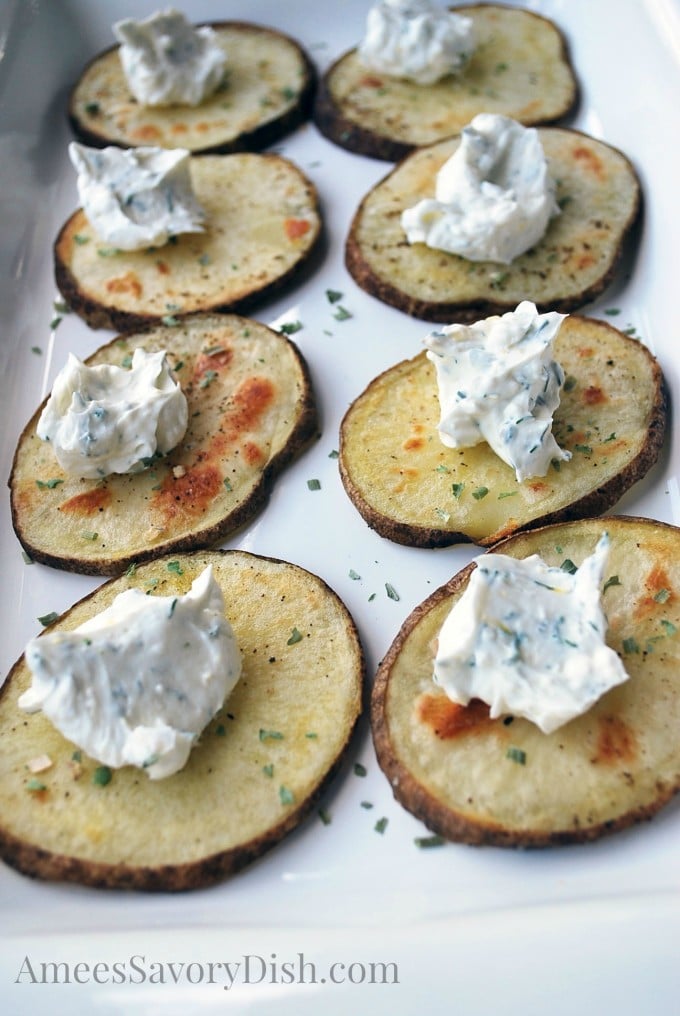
{"type": "Point", "coordinates": [350, 135]}
{"type": "Point", "coordinates": [413, 796]}
{"type": "Point", "coordinates": [304, 433]}
{"type": "Point", "coordinates": [99, 315]}
{"type": "Point", "coordinates": [251, 141]}
{"type": "Point", "coordinates": [467, 313]}
{"type": "Point", "coordinates": [43, 864]}
{"type": "Point", "coordinates": [593, 504]}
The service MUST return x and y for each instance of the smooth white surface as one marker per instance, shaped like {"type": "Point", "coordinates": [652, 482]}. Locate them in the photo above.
{"type": "Point", "coordinates": [585, 929]}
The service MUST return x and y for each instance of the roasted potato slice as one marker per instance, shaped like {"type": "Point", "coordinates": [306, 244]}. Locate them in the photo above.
{"type": "Point", "coordinates": [503, 781]}
{"type": "Point", "coordinates": [414, 490]}
{"type": "Point", "coordinates": [251, 410]}
{"type": "Point", "coordinates": [257, 771]}
{"type": "Point", "coordinates": [599, 196]}
{"type": "Point", "coordinates": [267, 92]}
{"type": "Point", "coordinates": [521, 68]}
{"type": "Point", "coordinates": [263, 224]}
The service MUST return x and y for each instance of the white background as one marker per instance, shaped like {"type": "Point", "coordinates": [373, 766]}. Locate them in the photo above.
{"type": "Point", "coordinates": [473, 931]}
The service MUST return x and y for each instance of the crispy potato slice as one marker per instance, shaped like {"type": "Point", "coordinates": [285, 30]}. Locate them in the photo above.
{"type": "Point", "coordinates": [521, 68]}
{"type": "Point", "coordinates": [599, 195]}
{"type": "Point", "coordinates": [263, 224]}
{"type": "Point", "coordinates": [251, 410]}
{"type": "Point", "coordinates": [267, 92]}
{"type": "Point", "coordinates": [224, 808]}
{"type": "Point", "coordinates": [503, 781]}
{"type": "Point", "coordinates": [414, 490]}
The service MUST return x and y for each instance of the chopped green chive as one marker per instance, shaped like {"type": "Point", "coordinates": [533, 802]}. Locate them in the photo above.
{"type": "Point", "coordinates": [48, 618]}
{"type": "Point", "coordinates": [568, 566]}
{"type": "Point", "coordinates": [268, 770]}
{"type": "Point", "coordinates": [37, 350]}
{"type": "Point", "coordinates": [630, 645]}
{"type": "Point", "coordinates": [35, 786]}
{"type": "Point", "coordinates": [286, 796]}
{"type": "Point", "coordinates": [295, 637]}
{"type": "Point", "coordinates": [516, 755]}
{"type": "Point", "coordinates": [227, 483]}
{"type": "Point", "coordinates": [425, 842]}
{"type": "Point", "coordinates": [570, 383]}
{"type": "Point", "coordinates": [108, 252]}
{"type": "Point", "coordinates": [354, 575]}
{"type": "Point", "coordinates": [359, 769]}
{"type": "Point", "coordinates": [457, 489]}
{"type": "Point", "coordinates": [311, 735]}
{"type": "Point", "coordinates": [221, 730]}
{"type": "Point", "coordinates": [367, 805]}
{"type": "Point", "coordinates": [207, 378]}
{"type": "Point", "coordinates": [662, 596]}
{"type": "Point", "coordinates": [333, 295]}
{"type": "Point", "coordinates": [507, 493]}
{"type": "Point", "coordinates": [80, 239]}
{"type": "Point", "coordinates": [335, 454]}
{"type": "Point", "coordinates": [669, 627]}
{"type": "Point", "coordinates": [613, 580]}
{"type": "Point", "coordinates": [92, 108]}
{"type": "Point", "coordinates": [48, 484]}
{"type": "Point", "coordinates": [480, 493]}
{"type": "Point", "coordinates": [584, 449]}
{"type": "Point", "coordinates": [270, 735]}
{"type": "Point", "coordinates": [341, 313]}
{"type": "Point", "coordinates": [101, 776]}
{"type": "Point", "coordinates": [175, 566]}
{"type": "Point", "coordinates": [314, 484]}
{"type": "Point", "coordinates": [324, 816]}
{"type": "Point", "coordinates": [27, 558]}
{"type": "Point", "coordinates": [381, 825]}
{"type": "Point", "coordinates": [131, 569]}
{"type": "Point", "coordinates": [290, 327]}
{"type": "Point", "coordinates": [92, 537]}
{"type": "Point", "coordinates": [391, 591]}
{"type": "Point", "coordinates": [612, 311]}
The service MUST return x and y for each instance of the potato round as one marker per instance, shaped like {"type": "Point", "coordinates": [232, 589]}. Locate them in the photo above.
{"type": "Point", "coordinates": [521, 68]}
{"type": "Point", "coordinates": [251, 410]}
{"type": "Point", "coordinates": [257, 771]}
{"type": "Point", "coordinates": [414, 490]}
{"type": "Point", "coordinates": [503, 781]}
{"type": "Point", "coordinates": [599, 195]}
{"type": "Point", "coordinates": [267, 92]}
{"type": "Point", "coordinates": [262, 226]}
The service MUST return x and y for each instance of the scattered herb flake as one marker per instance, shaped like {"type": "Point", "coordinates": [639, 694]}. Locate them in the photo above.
{"type": "Point", "coordinates": [333, 295]}
{"type": "Point", "coordinates": [630, 645]}
{"type": "Point", "coordinates": [131, 569]}
{"type": "Point", "coordinates": [359, 769]}
{"type": "Point", "coordinates": [381, 825]}
{"type": "Point", "coordinates": [295, 636]}
{"type": "Point", "coordinates": [570, 383]}
{"type": "Point", "coordinates": [314, 484]}
{"type": "Point", "coordinates": [101, 776]}
{"type": "Point", "coordinates": [425, 842]}
{"type": "Point", "coordinates": [77, 756]}
{"type": "Point", "coordinates": [391, 591]}
{"type": "Point", "coordinates": [48, 618]}
{"type": "Point", "coordinates": [227, 483]}
{"type": "Point", "coordinates": [176, 567]}
{"type": "Point", "coordinates": [270, 735]}
{"type": "Point", "coordinates": [92, 108]}
{"type": "Point", "coordinates": [286, 796]}
{"type": "Point", "coordinates": [27, 558]}
{"type": "Point", "coordinates": [335, 454]}
{"type": "Point", "coordinates": [354, 575]}
{"type": "Point", "coordinates": [612, 311]}
{"type": "Point", "coordinates": [108, 252]}
{"type": "Point", "coordinates": [507, 493]}
{"type": "Point", "coordinates": [457, 489]}
{"type": "Point", "coordinates": [669, 627]}
{"type": "Point", "coordinates": [204, 259]}
{"type": "Point", "coordinates": [48, 484]}
{"type": "Point", "coordinates": [221, 730]}
{"type": "Point", "coordinates": [341, 313]}
{"type": "Point", "coordinates": [311, 735]}
{"type": "Point", "coordinates": [324, 816]}
{"type": "Point", "coordinates": [268, 770]}
{"type": "Point", "coordinates": [372, 597]}
{"type": "Point", "coordinates": [613, 580]}
{"type": "Point", "coordinates": [568, 566]}
{"type": "Point", "coordinates": [480, 493]}
{"type": "Point", "coordinates": [37, 350]}
{"type": "Point", "coordinates": [92, 537]}
{"type": "Point", "coordinates": [207, 378]}
{"type": "Point", "coordinates": [290, 327]}
{"type": "Point", "coordinates": [662, 596]}
{"type": "Point", "coordinates": [516, 755]}
{"type": "Point", "coordinates": [35, 786]}
{"type": "Point", "coordinates": [80, 239]}
{"type": "Point", "coordinates": [367, 805]}
{"type": "Point", "coordinates": [584, 449]}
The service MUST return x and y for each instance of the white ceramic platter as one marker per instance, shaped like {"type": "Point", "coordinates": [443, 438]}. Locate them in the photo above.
{"type": "Point", "coordinates": [590, 928]}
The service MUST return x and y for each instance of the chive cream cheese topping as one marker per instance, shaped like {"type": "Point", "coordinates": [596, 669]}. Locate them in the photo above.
{"type": "Point", "coordinates": [139, 197]}
{"type": "Point", "coordinates": [416, 39]}
{"type": "Point", "coordinates": [529, 639]}
{"type": "Point", "coordinates": [499, 382]}
{"type": "Point", "coordinates": [493, 198]}
{"type": "Point", "coordinates": [166, 61]}
{"type": "Point", "coordinates": [137, 683]}
{"type": "Point", "coordinates": [108, 419]}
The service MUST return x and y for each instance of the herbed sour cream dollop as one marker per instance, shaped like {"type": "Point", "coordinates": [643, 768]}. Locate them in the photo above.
{"type": "Point", "coordinates": [107, 419]}
{"type": "Point", "coordinates": [493, 198]}
{"type": "Point", "coordinates": [166, 61]}
{"type": "Point", "coordinates": [417, 40]}
{"type": "Point", "coordinates": [498, 382]}
{"type": "Point", "coordinates": [528, 639]}
{"type": "Point", "coordinates": [137, 683]}
{"type": "Point", "coordinates": [138, 197]}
